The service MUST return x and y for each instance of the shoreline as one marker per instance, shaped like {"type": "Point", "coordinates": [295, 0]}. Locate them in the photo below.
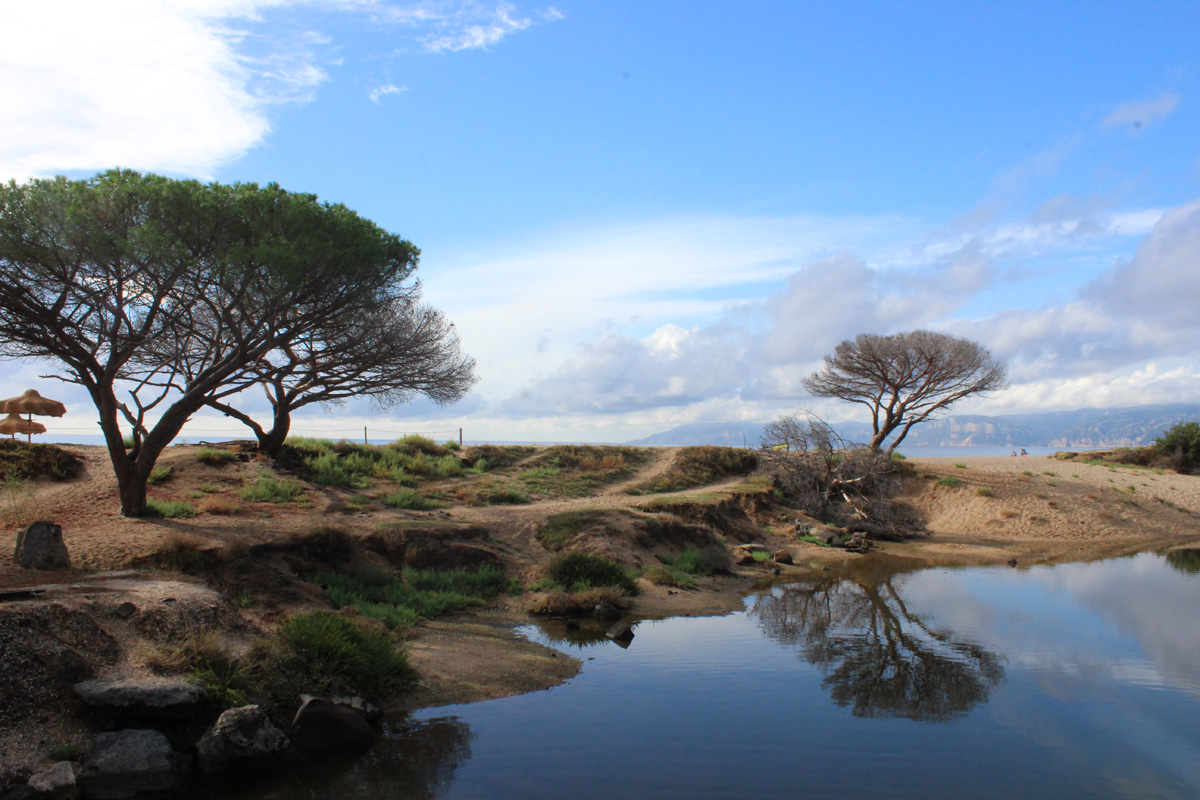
{"type": "Point", "coordinates": [978, 511]}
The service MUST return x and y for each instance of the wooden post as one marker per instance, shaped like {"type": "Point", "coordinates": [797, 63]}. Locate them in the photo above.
{"type": "Point", "coordinates": [460, 437]}
{"type": "Point", "coordinates": [365, 439]}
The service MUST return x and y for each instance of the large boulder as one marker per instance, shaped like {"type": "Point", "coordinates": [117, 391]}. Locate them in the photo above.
{"type": "Point", "coordinates": [144, 699]}
{"type": "Point", "coordinates": [243, 740]}
{"type": "Point", "coordinates": [41, 546]}
{"type": "Point", "coordinates": [322, 726]}
{"type": "Point", "coordinates": [131, 762]}
{"type": "Point", "coordinates": [56, 783]}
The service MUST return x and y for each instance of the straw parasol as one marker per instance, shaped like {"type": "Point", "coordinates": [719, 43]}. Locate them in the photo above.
{"type": "Point", "coordinates": [32, 403]}
{"type": "Point", "coordinates": [14, 424]}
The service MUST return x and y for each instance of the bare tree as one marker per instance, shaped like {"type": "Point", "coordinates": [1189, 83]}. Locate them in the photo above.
{"type": "Point", "coordinates": [825, 475]}
{"type": "Point", "coordinates": [174, 291]}
{"type": "Point", "coordinates": [906, 378]}
{"type": "Point", "coordinates": [402, 350]}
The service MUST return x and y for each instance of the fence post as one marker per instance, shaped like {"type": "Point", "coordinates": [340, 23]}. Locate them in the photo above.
{"type": "Point", "coordinates": [460, 437]}
{"type": "Point", "coordinates": [365, 439]}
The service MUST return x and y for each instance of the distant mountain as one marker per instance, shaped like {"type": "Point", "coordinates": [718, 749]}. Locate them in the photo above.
{"type": "Point", "coordinates": [1087, 427]}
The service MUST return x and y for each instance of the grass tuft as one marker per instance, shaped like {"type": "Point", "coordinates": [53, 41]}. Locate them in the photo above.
{"type": "Point", "coordinates": [271, 490]}
{"type": "Point", "coordinates": [169, 509]}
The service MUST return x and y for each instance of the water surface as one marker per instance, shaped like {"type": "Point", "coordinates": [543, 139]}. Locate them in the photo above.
{"type": "Point", "coordinates": [1078, 680]}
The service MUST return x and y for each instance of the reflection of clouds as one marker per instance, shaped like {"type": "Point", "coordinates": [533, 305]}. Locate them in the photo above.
{"type": "Point", "coordinates": [1076, 622]}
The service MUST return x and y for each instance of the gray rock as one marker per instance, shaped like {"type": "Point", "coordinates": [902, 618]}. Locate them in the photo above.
{"type": "Point", "coordinates": [322, 726]}
{"type": "Point", "coordinates": [783, 556]}
{"type": "Point", "coordinates": [125, 610]}
{"type": "Point", "coordinates": [621, 632]}
{"type": "Point", "coordinates": [56, 783]}
{"type": "Point", "coordinates": [165, 699]}
{"type": "Point", "coordinates": [40, 546]}
{"type": "Point", "coordinates": [241, 740]}
{"type": "Point", "coordinates": [130, 762]}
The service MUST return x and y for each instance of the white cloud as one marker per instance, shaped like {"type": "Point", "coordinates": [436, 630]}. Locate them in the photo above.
{"type": "Point", "coordinates": [1125, 336]}
{"type": "Point", "coordinates": [183, 87]}
{"type": "Point", "coordinates": [1141, 114]}
{"type": "Point", "coordinates": [137, 83]}
{"type": "Point", "coordinates": [379, 92]}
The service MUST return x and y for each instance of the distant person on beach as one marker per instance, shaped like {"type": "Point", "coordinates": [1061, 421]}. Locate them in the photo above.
{"type": "Point", "coordinates": [1023, 452]}
{"type": "Point", "coordinates": [1014, 453]}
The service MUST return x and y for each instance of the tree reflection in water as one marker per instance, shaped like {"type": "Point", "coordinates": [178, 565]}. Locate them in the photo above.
{"type": "Point", "coordinates": [878, 657]}
{"type": "Point", "coordinates": [1185, 560]}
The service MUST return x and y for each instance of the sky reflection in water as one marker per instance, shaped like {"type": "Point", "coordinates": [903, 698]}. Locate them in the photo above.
{"type": "Point", "coordinates": [1080, 680]}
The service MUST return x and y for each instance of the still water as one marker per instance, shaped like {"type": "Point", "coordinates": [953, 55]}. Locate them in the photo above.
{"type": "Point", "coordinates": [1078, 680]}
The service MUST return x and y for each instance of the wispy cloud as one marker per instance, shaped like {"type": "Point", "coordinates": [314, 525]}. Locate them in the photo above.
{"type": "Point", "coordinates": [1140, 114]}
{"type": "Point", "coordinates": [379, 92]}
{"type": "Point", "coordinates": [474, 27]}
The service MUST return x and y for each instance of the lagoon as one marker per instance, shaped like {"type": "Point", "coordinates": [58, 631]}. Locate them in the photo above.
{"type": "Point", "coordinates": [1074, 680]}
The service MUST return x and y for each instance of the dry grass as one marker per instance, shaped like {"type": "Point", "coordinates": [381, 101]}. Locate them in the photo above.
{"type": "Point", "coordinates": [218, 505]}
{"type": "Point", "coordinates": [559, 603]}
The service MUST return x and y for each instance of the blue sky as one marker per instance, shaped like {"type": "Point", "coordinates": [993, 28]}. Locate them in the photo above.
{"type": "Point", "coordinates": [646, 214]}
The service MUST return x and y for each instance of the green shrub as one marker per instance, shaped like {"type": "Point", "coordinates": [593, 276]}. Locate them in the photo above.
{"type": "Point", "coordinates": [326, 653]}
{"type": "Point", "coordinates": [214, 457]}
{"type": "Point", "coordinates": [169, 509]}
{"type": "Point", "coordinates": [984, 491]}
{"type": "Point", "coordinates": [410, 499]}
{"type": "Point", "coordinates": [695, 561]}
{"type": "Point", "coordinates": [271, 490]}
{"type": "Point", "coordinates": [811, 539]}
{"type": "Point", "coordinates": [1181, 443]}
{"type": "Point", "coordinates": [578, 571]}
{"type": "Point", "coordinates": [404, 599]}
{"type": "Point", "coordinates": [948, 481]}
{"type": "Point", "coordinates": [332, 469]}
{"type": "Point", "coordinates": [961, 466]}
{"type": "Point", "coordinates": [452, 445]}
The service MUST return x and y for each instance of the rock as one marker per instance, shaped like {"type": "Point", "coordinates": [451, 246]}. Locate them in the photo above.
{"type": "Point", "coordinates": [20, 791]}
{"type": "Point", "coordinates": [802, 528]}
{"type": "Point", "coordinates": [606, 611]}
{"type": "Point", "coordinates": [1012, 562]}
{"type": "Point", "coordinates": [166, 699]}
{"type": "Point", "coordinates": [40, 546]}
{"type": "Point", "coordinates": [243, 740]}
{"type": "Point", "coordinates": [322, 726]}
{"type": "Point", "coordinates": [129, 762]}
{"type": "Point", "coordinates": [369, 711]}
{"type": "Point", "coordinates": [621, 632]}
{"type": "Point", "coordinates": [752, 547]}
{"type": "Point", "coordinates": [56, 783]}
{"type": "Point", "coordinates": [783, 556]}
{"type": "Point", "coordinates": [125, 610]}
{"type": "Point", "coordinates": [745, 560]}
{"type": "Point", "coordinates": [826, 535]}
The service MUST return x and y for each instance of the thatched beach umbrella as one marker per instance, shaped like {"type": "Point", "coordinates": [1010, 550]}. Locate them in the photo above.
{"type": "Point", "coordinates": [33, 403]}
{"type": "Point", "coordinates": [13, 424]}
